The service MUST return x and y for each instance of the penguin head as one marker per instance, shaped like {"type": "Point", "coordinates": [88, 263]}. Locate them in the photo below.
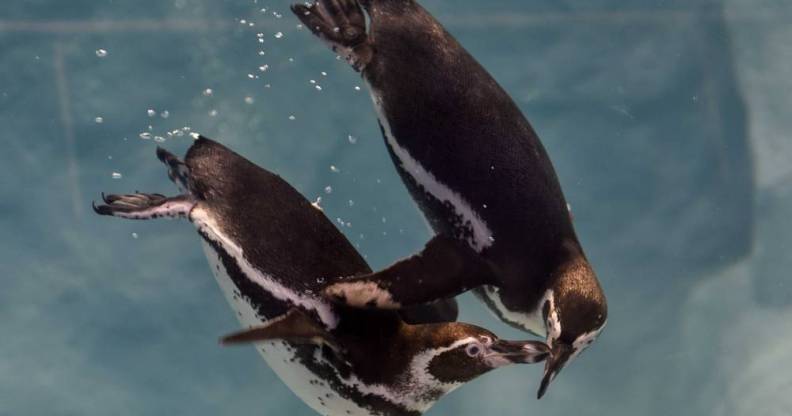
{"type": "Point", "coordinates": [575, 312]}
{"type": "Point", "coordinates": [461, 352]}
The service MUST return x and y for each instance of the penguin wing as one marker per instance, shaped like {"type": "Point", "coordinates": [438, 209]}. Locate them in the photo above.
{"type": "Point", "coordinates": [444, 269]}
{"type": "Point", "coordinates": [294, 326]}
{"type": "Point", "coordinates": [437, 312]}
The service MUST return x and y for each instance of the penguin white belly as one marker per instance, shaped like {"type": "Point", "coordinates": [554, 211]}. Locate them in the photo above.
{"type": "Point", "coordinates": [279, 356]}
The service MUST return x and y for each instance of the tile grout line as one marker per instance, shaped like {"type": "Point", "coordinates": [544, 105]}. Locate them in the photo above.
{"type": "Point", "coordinates": [67, 127]}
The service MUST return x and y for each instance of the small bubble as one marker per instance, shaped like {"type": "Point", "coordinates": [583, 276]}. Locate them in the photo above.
{"type": "Point", "coordinates": [99, 120]}
{"type": "Point", "coordinates": [109, 157]}
{"type": "Point", "coordinates": [328, 190]}
{"type": "Point", "coordinates": [117, 175]}
{"type": "Point", "coordinates": [320, 280]}
{"type": "Point", "coordinates": [263, 10]}
{"type": "Point", "coordinates": [324, 74]}
{"type": "Point", "coordinates": [318, 88]}
{"type": "Point", "coordinates": [135, 235]}
{"type": "Point", "coordinates": [313, 81]}
{"type": "Point", "coordinates": [159, 139]}
{"type": "Point", "coordinates": [151, 112]}
{"type": "Point", "coordinates": [292, 118]}
{"type": "Point", "coordinates": [145, 135]}
{"type": "Point", "coordinates": [165, 114]}
{"type": "Point", "coordinates": [277, 15]}
{"type": "Point", "coordinates": [195, 136]}
{"type": "Point", "coordinates": [491, 239]}
{"type": "Point", "coordinates": [208, 92]}
{"type": "Point", "coordinates": [262, 53]}
{"type": "Point", "coordinates": [357, 88]}
{"type": "Point", "coordinates": [384, 220]}
{"type": "Point", "coordinates": [278, 35]}
{"type": "Point", "coordinates": [264, 68]}
{"type": "Point", "coordinates": [351, 203]}
{"type": "Point", "coordinates": [251, 76]}
{"type": "Point", "coordinates": [101, 53]}
{"type": "Point", "coordinates": [212, 113]}
{"type": "Point", "coordinates": [243, 22]}
{"type": "Point", "coordinates": [352, 139]}
{"type": "Point", "coordinates": [291, 59]}
{"type": "Point", "coordinates": [334, 169]}
{"type": "Point", "coordinates": [251, 24]}
{"type": "Point", "coordinates": [249, 100]}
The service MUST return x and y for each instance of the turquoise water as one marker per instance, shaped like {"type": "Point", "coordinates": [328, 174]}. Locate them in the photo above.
{"type": "Point", "coordinates": [667, 123]}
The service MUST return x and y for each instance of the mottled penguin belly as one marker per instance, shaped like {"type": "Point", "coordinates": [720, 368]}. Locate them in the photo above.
{"type": "Point", "coordinates": [279, 355]}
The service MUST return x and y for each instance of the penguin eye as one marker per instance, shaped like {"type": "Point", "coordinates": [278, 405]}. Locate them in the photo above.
{"type": "Point", "coordinates": [473, 350]}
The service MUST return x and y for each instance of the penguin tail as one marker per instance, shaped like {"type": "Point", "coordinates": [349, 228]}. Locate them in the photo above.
{"type": "Point", "coordinates": [341, 24]}
{"type": "Point", "coordinates": [178, 172]}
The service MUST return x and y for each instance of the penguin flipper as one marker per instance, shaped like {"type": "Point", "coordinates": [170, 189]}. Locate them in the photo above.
{"type": "Point", "coordinates": [445, 268]}
{"type": "Point", "coordinates": [437, 312]}
{"type": "Point", "coordinates": [294, 326]}
{"type": "Point", "coordinates": [178, 172]}
{"type": "Point", "coordinates": [342, 25]}
{"type": "Point", "coordinates": [141, 206]}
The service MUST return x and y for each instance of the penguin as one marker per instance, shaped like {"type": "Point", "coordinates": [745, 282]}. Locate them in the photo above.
{"type": "Point", "coordinates": [477, 170]}
{"type": "Point", "coordinates": [272, 253]}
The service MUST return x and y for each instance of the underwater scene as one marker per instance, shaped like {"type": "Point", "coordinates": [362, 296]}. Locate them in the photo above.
{"type": "Point", "coordinates": [346, 168]}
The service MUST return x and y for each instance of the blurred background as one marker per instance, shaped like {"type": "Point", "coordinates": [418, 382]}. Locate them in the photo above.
{"type": "Point", "coordinates": [667, 122]}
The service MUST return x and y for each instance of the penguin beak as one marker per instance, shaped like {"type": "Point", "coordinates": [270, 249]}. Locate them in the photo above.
{"type": "Point", "coordinates": [559, 356]}
{"type": "Point", "coordinates": [519, 352]}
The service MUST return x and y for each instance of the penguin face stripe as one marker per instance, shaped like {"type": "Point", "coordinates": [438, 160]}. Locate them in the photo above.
{"type": "Point", "coordinates": [209, 228]}
{"type": "Point", "coordinates": [480, 236]}
{"type": "Point", "coordinates": [419, 390]}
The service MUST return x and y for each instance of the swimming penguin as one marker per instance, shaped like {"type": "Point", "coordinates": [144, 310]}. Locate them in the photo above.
{"type": "Point", "coordinates": [478, 172]}
{"type": "Point", "coordinates": [272, 252]}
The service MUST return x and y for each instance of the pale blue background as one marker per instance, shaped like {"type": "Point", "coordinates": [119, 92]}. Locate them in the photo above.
{"type": "Point", "coordinates": [667, 121]}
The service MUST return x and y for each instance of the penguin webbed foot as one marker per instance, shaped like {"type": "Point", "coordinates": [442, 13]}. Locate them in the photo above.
{"type": "Point", "coordinates": [342, 25]}
{"type": "Point", "coordinates": [144, 206]}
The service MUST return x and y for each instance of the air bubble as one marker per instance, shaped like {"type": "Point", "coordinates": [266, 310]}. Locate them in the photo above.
{"type": "Point", "coordinates": [145, 135]}
{"type": "Point", "coordinates": [99, 120]}
{"type": "Point", "coordinates": [117, 175]}
{"type": "Point", "coordinates": [101, 53]}
{"type": "Point", "coordinates": [278, 35]}
{"type": "Point", "coordinates": [334, 169]}
{"type": "Point", "coordinates": [352, 139]}
{"type": "Point", "coordinates": [328, 190]}
{"type": "Point", "coordinates": [165, 114]}
{"type": "Point", "coordinates": [208, 92]}
{"type": "Point", "coordinates": [151, 112]}
{"type": "Point", "coordinates": [249, 100]}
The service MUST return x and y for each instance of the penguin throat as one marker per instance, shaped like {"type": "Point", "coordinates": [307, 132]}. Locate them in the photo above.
{"type": "Point", "coordinates": [416, 389]}
{"type": "Point", "coordinates": [532, 321]}
{"type": "Point", "coordinates": [480, 236]}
